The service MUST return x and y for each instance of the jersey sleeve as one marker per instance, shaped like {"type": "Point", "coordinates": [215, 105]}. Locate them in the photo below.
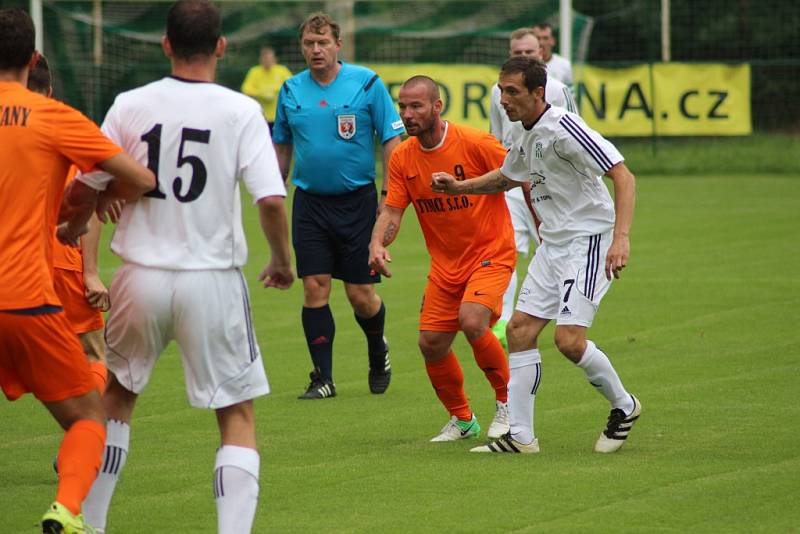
{"type": "Point", "coordinates": [98, 179]}
{"type": "Point", "coordinates": [384, 114]}
{"type": "Point", "coordinates": [514, 165]}
{"type": "Point", "coordinates": [492, 152]}
{"type": "Point", "coordinates": [258, 163]}
{"type": "Point", "coordinates": [496, 114]}
{"type": "Point", "coordinates": [81, 141]}
{"type": "Point", "coordinates": [584, 147]}
{"type": "Point", "coordinates": [562, 96]}
{"type": "Point", "coordinates": [281, 133]}
{"type": "Point", "coordinates": [398, 194]}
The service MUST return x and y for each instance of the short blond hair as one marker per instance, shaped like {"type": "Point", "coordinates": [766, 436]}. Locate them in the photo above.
{"type": "Point", "coordinates": [519, 33]}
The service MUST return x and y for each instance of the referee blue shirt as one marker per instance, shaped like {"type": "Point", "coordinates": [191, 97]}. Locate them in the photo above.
{"type": "Point", "coordinates": [333, 128]}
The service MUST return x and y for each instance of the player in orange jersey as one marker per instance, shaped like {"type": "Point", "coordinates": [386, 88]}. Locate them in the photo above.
{"type": "Point", "coordinates": [38, 351]}
{"type": "Point", "coordinates": [471, 243]}
{"type": "Point", "coordinates": [75, 277]}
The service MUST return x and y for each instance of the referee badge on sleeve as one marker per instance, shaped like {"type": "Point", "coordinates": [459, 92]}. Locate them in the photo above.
{"type": "Point", "coordinates": [347, 126]}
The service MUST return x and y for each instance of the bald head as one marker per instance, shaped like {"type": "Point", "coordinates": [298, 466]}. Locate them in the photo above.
{"type": "Point", "coordinates": [431, 88]}
{"type": "Point", "coordinates": [420, 108]}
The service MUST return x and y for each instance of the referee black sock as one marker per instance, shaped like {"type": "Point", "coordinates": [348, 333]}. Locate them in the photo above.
{"type": "Point", "coordinates": [320, 329]}
{"type": "Point", "coordinates": [373, 329]}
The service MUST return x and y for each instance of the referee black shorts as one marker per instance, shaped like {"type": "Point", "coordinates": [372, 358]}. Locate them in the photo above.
{"type": "Point", "coordinates": [331, 234]}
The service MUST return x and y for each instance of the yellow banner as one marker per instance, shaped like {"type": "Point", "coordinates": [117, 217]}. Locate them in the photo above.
{"type": "Point", "coordinates": [465, 89]}
{"type": "Point", "coordinates": [689, 99]}
{"type": "Point", "coordinates": [665, 99]}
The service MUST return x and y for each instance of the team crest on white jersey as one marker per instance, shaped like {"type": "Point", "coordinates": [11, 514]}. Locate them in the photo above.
{"type": "Point", "coordinates": [347, 126]}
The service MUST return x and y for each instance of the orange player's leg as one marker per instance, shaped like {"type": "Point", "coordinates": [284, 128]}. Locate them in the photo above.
{"type": "Point", "coordinates": [86, 321]}
{"type": "Point", "coordinates": [94, 345]}
{"type": "Point", "coordinates": [438, 326]}
{"type": "Point", "coordinates": [447, 379]}
{"type": "Point", "coordinates": [480, 308]}
{"type": "Point", "coordinates": [79, 457]}
{"type": "Point", "coordinates": [491, 358]}
{"type": "Point", "coordinates": [40, 354]}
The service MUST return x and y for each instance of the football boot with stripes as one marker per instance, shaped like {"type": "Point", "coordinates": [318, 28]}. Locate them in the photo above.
{"type": "Point", "coordinates": [318, 388]}
{"type": "Point", "coordinates": [59, 520]}
{"type": "Point", "coordinates": [456, 429]}
{"type": "Point", "coordinates": [508, 444]}
{"type": "Point", "coordinates": [618, 427]}
{"type": "Point", "coordinates": [380, 371]}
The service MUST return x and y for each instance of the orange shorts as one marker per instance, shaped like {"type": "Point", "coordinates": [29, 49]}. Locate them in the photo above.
{"type": "Point", "coordinates": [70, 289]}
{"type": "Point", "coordinates": [40, 354]}
{"type": "Point", "coordinates": [441, 301]}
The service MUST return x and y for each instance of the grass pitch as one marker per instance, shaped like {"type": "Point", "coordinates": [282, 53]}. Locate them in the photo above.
{"type": "Point", "coordinates": [702, 327]}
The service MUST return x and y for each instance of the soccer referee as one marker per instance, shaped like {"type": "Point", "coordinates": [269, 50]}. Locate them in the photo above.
{"type": "Point", "coordinates": [328, 117]}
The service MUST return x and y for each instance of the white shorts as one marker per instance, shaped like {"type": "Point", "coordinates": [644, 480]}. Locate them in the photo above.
{"type": "Point", "coordinates": [567, 282]}
{"type": "Point", "coordinates": [522, 220]}
{"type": "Point", "coordinates": [206, 312]}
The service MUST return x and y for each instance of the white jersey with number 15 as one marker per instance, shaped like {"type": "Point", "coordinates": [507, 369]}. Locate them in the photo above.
{"type": "Point", "coordinates": [200, 139]}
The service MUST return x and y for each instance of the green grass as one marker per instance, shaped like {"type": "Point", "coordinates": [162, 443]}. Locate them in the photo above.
{"type": "Point", "coordinates": [702, 327]}
{"type": "Point", "coordinates": [761, 153]}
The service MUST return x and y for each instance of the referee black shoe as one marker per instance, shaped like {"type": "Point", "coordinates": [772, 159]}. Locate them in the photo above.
{"type": "Point", "coordinates": [318, 388]}
{"type": "Point", "coordinates": [380, 371]}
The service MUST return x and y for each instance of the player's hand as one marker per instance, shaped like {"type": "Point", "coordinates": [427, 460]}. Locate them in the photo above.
{"type": "Point", "coordinates": [67, 235]}
{"type": "Point", "coordinates": [96, 292]}
{"type": "Point", "coordinates": [378, 259]}
{"type": "Point", "coordinates": [109, 209]}
{"type": "Point", "coordinates": [278, 276]}
{"type": "Point", "coordinates": [441, 182]}
{"type": "Point", "coordinates": [617, 256]}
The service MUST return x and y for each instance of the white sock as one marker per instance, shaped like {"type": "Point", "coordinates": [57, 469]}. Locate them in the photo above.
{"type": "Point", "coordinates": [525, 374]}
{"type": "Point", "coordinates": [236, 488]}
{"type": "Point", "coordinates": [508, 298]}
{"type": "Point", "coordinates": [604, 378]}
{"type": "Point", "coordinates": [95, 507]}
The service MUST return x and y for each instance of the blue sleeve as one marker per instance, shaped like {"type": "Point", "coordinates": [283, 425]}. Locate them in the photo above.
{"type": "Point", "coordinates": [281, 133]}
{"type": "Point", "coordinates": [384, 113]}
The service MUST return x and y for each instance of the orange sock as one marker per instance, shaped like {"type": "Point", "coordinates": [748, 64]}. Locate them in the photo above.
{"type": "Point", "coordinates": [99, 375]}
{"type": "Point", "coordinates": [448, 382]}
{"type": "Point", "coordinates": [78, 462]}
{"type": "Point", "coordinates": [491, 358]}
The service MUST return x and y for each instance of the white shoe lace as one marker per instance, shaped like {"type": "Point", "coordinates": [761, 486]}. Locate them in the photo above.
{"type": "Point", "coordinates": [501, 414]}
{"type": "Point", "coordinates": [451, 429]}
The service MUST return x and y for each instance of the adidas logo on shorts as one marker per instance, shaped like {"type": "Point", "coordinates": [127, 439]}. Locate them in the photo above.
{"type": "Point", "coordinates": [565, 311]}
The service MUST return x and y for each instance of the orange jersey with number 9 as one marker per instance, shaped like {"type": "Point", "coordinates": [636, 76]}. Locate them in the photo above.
{"type": "Point", "coordinates": [462, 232]}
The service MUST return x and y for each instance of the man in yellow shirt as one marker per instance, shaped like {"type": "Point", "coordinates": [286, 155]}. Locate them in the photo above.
{"type": "Point", "coordinates": [263, 82]}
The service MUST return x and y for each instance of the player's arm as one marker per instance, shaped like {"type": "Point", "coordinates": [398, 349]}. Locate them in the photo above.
{"type": "Point", "coordinates": [77, 207]}
{"type": "Point", "coordinates": [284, 153]}
{"type": "Point", "coordinates": [383, 233]}
{"type": "Point", "coordinates": [388, 148]}
{"type": "Point", "coordinates": [624, 201]}
{"type": "Point", "coordinates": [492, 182]}
{"type": "Point", "coordinates": [96, 291]}
{"type": "Point", "coordinates": [130, 180]}
{"type": "Point", "coordinates": [272, 215]}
